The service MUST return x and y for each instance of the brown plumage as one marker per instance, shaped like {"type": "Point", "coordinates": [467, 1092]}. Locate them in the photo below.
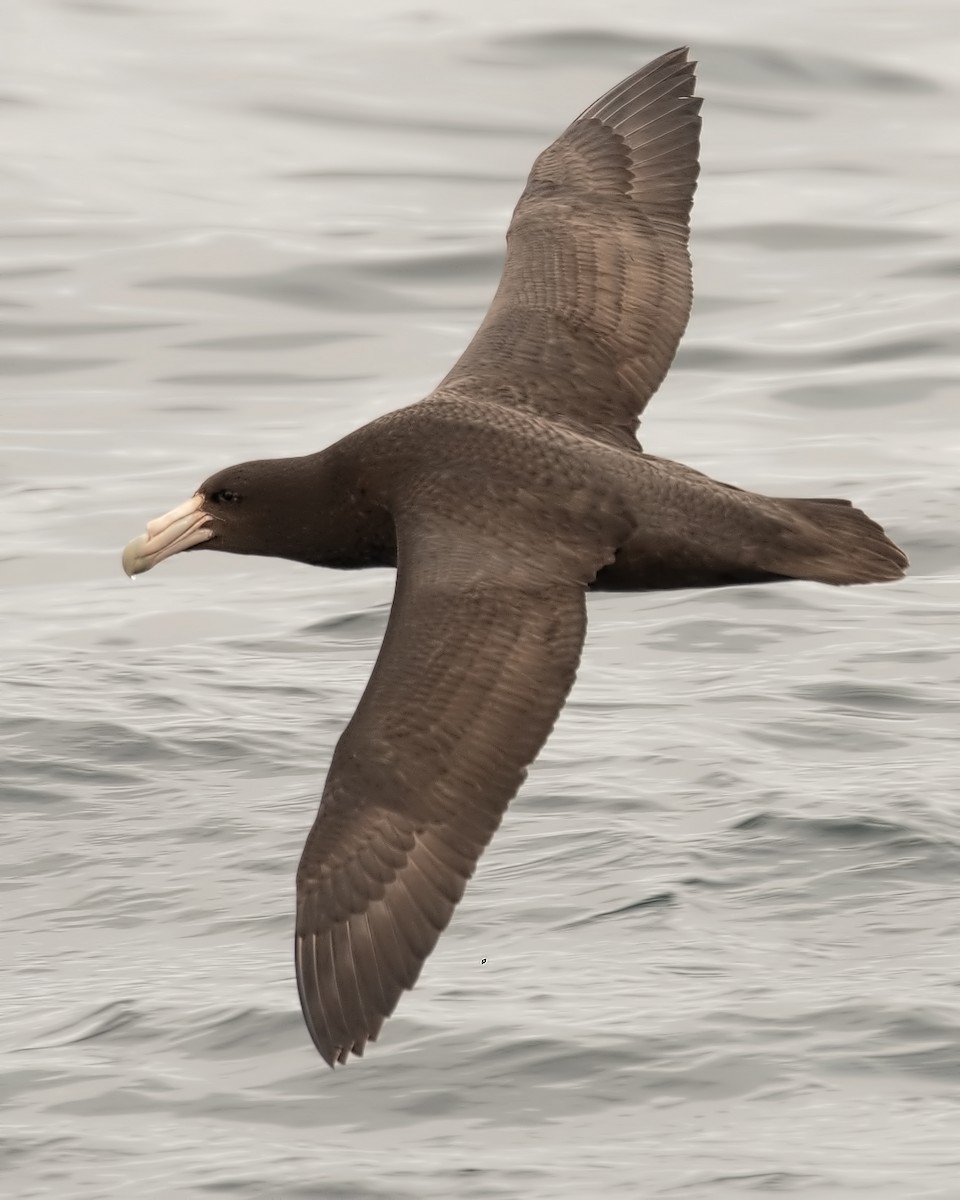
{"type": "Point", "coordinates": [596, 287]}
{"type": "Point", "coordinates": [507, 494]}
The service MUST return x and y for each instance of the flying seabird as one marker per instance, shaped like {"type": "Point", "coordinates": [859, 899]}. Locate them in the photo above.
{"type": "Point", "coordinates": [515, 487]}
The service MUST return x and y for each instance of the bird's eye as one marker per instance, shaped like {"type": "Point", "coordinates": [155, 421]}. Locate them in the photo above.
{"type": "Point", "coordinates": [225, 497]}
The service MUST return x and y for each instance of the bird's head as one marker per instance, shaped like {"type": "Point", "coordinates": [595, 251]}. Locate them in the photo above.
{"type": "Point", "coordinates": [245, 509]}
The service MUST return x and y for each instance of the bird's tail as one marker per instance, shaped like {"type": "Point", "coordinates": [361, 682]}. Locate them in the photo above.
{"type": "Point", "coordinates": [722, 535]}
{"type": "Point", "coordinates": [830, 541]}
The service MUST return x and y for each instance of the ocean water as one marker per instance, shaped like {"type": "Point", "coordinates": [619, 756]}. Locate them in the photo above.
{"type": "Point", "coordinates": [713, 952]}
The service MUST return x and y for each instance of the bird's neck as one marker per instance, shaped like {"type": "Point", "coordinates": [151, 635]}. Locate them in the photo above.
{"type": "Point", "coordinates": [345, 523]}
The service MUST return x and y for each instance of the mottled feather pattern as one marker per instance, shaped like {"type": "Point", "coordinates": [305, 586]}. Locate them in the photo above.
{"type": "Point", "coordinates": [417, 789]}
{"type": "Point", "coordinates": [596, 288]}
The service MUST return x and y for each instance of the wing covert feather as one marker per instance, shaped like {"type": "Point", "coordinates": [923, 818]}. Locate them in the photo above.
{"type": "Point", "coordinates": [596, 287]}
{"type": "Point", "coordinates": [470, 679]}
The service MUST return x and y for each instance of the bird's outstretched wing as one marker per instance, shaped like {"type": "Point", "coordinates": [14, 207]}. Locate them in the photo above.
{"type": "Point", "coordinates": [480, 651]}
{"type": "Point", "coordinates": [596, 287]}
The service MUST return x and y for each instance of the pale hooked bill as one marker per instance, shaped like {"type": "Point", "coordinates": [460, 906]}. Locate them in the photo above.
{"type": "Point", "coordinates": [179, 529]}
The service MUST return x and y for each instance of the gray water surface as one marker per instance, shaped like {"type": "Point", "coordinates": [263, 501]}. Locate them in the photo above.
{"type": "Point", "coordinates": [713, 952]}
